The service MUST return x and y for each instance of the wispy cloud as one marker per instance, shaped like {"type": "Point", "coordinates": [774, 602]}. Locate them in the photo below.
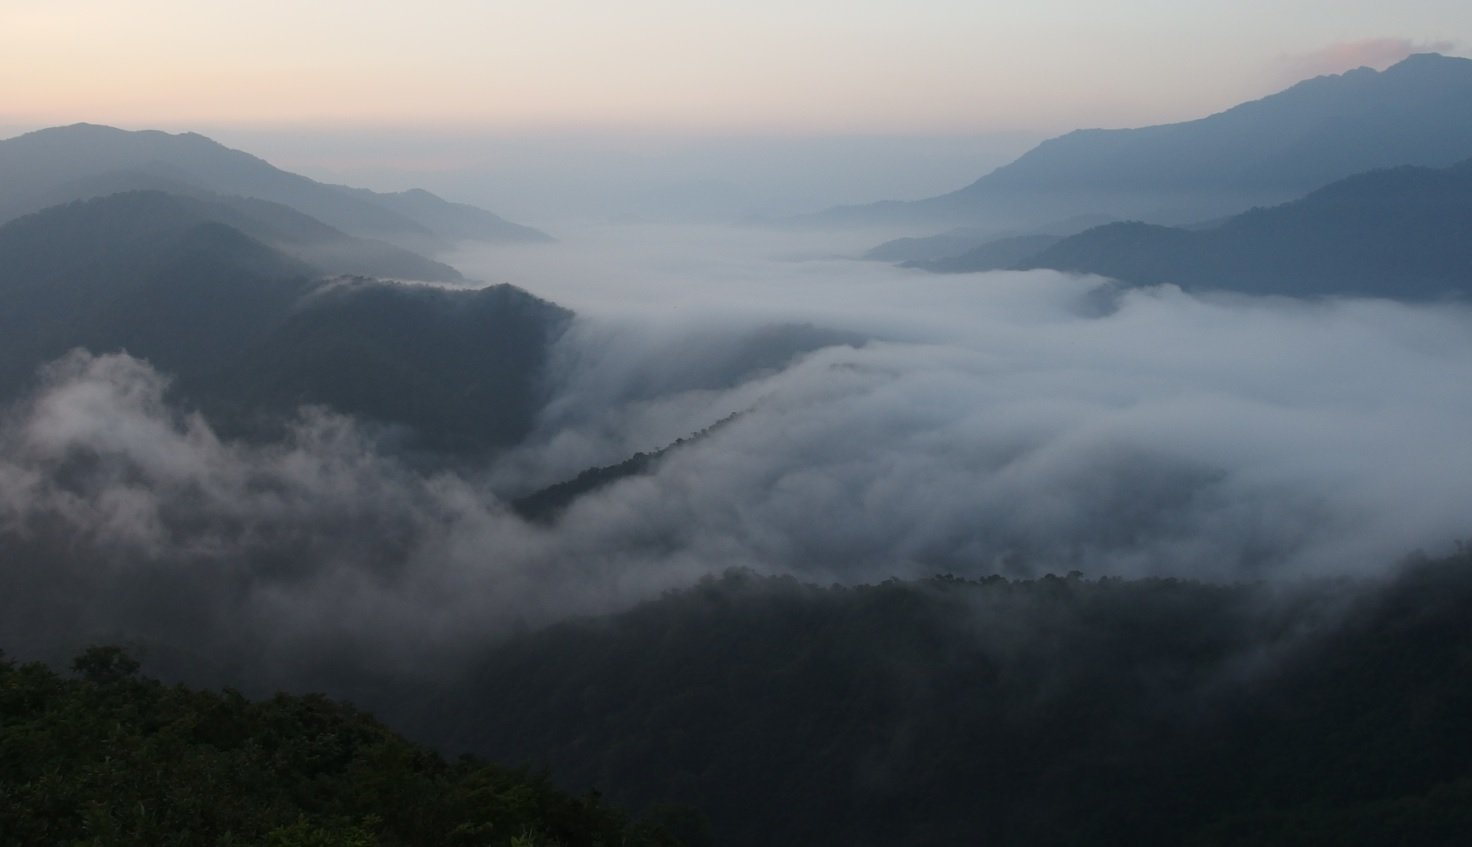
{"type": "Point", "coordinates": [1378, 53]}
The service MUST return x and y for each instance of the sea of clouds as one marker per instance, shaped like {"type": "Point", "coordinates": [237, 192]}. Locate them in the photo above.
{"type": "Point", "coordinates": [907, 424]}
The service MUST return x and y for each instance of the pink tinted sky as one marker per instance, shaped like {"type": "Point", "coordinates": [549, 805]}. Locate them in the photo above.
{"type": "Point", "coordinates": [684, 66]}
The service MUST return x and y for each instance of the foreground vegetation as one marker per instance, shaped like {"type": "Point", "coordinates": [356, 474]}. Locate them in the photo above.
{"type": "Point", "coordinates": [110, 758]}
{"type": "Point", "coordinates": [945, 711]}
{"type": "Point", "coordinates": [1060, 710]}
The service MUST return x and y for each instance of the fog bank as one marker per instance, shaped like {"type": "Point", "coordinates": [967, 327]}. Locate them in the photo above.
{"type": "Point", "coordinates": [889, 423]}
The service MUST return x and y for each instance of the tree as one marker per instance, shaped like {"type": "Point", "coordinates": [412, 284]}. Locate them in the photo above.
{"type": "Point", "coordinates": [105, 665]}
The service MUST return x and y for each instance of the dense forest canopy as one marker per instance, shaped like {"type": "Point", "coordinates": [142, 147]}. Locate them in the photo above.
{"type": "Point", "coordinates": [1061, 710]}
{"type": "Point", "coordinates": [109, 757]}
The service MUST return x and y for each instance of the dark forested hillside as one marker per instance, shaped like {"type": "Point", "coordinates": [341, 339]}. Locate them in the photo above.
{"type": "Point", "coordinates": [112, 759]}
{"type": "Point", "coordinates": [251, 333]}
{"type": "Point", "coordinates": [140, 271]}
{"type": "Point", "coordinates": [461, 369]}
{"type": "Point", "coordinates": [1055, 711]}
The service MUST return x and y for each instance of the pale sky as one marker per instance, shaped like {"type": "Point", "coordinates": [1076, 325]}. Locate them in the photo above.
{"type": "Point", "coordinates": [685, 66]}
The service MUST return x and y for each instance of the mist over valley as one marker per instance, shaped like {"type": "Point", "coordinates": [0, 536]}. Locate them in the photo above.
{"type": "Point", "coordinates": [1132, 476]}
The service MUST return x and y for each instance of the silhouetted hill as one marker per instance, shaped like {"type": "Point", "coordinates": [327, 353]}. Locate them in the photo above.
{"type": "Point", "coordinates": [56, 165]}
{"type": "Point", "coordinates": [1401, 233]}
{"type": "Point", "coordinates": [1417, 112]}
{"type": "Point", "coordinates": [251, 333]}
{"type": "Point", "coordinates": [142, 271]}
{"type": "Point", "coordinates": [291, 232]}
{"type": "Point", "coordinates": [996, 255]}
{"type": "Point", "coordinates": [1053, 711]}
{"type": "Point", "coordinates": [461, 368]}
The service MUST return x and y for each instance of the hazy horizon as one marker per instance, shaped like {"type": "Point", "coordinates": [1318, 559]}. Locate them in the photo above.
{"type": "Point", "coordinates": [668, 68]}
{"type": "Point", "coordinates": [661, 110]}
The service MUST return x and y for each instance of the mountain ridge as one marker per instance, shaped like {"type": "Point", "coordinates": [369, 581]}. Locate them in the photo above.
{"type": "Point", "coordinates": [1403, 233]}
{"type": "Point", "coordinates": [43, 168]}
{"type": "Point", "coordinates": [251, 334]}
{"type": "Point", "coordinates": [1263, 151]}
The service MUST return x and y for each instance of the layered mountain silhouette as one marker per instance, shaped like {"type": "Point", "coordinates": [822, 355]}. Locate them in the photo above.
{"type": "Point", "coordinates": [1403, 233]}
{"type": "Point", "coordinates": [61, 164]}
{"type": "Point", "coordinates": [251, 333]}
{"type": "Point", "coordinates": [1417, 112]}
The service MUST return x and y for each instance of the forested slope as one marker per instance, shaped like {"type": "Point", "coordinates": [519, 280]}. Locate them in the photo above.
{"type": "Point", "coordinates": [1053, 711]}
{"type": "Point", "coordinates": [114, 759]}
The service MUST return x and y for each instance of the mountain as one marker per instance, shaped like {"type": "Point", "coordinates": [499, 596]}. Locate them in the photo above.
{"type": "Point", "coordinates": [460, 369]}
{"type": "Point", "coordinates": [1417, 112]}
{"type": "Point", "coordinates": [53, 166]}
{"type": "Point", "coordinates": [287, 230]}
{"type": "Point", "coordinates": [251, 333]}
{"type": "Point", "coordinates": [456, 221]}
{"type": "Point", "coordinates": [1403, 233]}
{"type": "Point", "coordinates": [142, 271]}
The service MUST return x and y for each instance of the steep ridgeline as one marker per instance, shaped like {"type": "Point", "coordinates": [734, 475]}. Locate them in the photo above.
{"type": "Point", "coordinates": [546, 505]}
{"type": "Point", "coordinates": [251, 333]}
{"type": "Point", "coordinates": [61, 164]}
{"type": "Point", "coordinates": [1058, 711]}
{"type": "Point", "coordinates": [1404, 233]}
{"type": "Point", "coordinates": [1417, 112]}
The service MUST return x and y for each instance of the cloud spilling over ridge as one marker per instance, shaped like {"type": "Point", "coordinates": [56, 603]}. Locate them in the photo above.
{"type": "Point", "coordinates": [1174, 435]}
{"type": "Point", "coordinates": [1014, 423]}
{"type": "Point", "coordinates": [140, 520]}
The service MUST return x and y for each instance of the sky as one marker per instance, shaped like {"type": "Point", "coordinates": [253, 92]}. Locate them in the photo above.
{"type": "Point", "coordinates": [658, 66]}
{"type": "Point", "coordinates": [672, 109]}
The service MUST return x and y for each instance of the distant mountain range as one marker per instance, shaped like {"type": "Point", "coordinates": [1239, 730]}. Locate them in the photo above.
{"type": "Point", "coordinates": [1401, 233]}
{"type": "Point", "coordinates": [1404, 233]}
{"type": "Point", "coordinates": [251, 333]}
{"type": "Point", "coordinates": [1417, 112]}
{"type": "Point", "coordinates": [62, 164]}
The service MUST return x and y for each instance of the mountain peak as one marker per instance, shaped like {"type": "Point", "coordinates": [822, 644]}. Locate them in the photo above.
{"type": "Point", "coordinates": [1428, 65]}
{"type": "Point", "coordinates": [1260, 152]}
{"type": "Point", "coordinates": [1430, 59]}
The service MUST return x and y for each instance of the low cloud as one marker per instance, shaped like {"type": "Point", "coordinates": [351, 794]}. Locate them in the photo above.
{"type": "Point", "coordinates": [1014, 423]}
